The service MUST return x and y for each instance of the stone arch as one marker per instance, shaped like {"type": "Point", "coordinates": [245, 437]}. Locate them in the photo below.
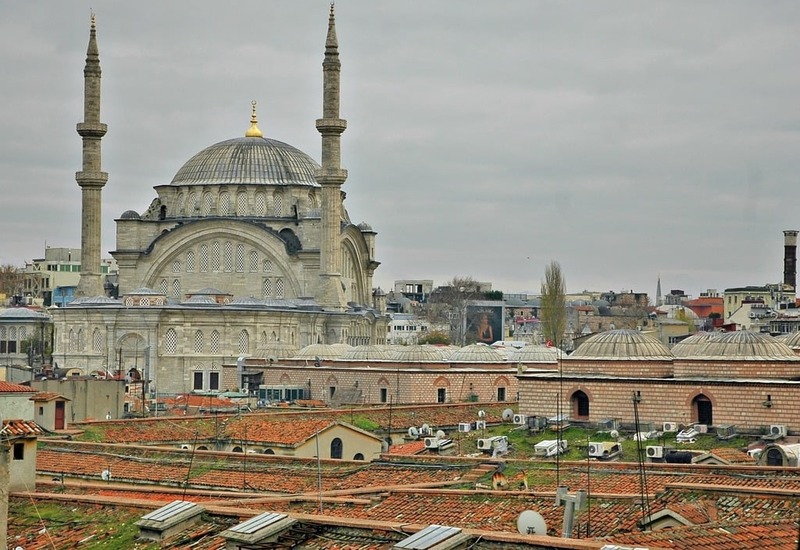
{"type": "Point", "coordinates": [701, 406]}
{"type": "Point", "coordinates": [285, 380]}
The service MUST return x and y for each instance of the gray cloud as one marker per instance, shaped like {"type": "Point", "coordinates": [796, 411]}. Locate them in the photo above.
{"type": "Point", "coordinates": [623, 139]}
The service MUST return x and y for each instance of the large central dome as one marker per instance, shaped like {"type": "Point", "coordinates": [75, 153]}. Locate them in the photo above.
{"type": "Point", "coordinates": [248, 161]}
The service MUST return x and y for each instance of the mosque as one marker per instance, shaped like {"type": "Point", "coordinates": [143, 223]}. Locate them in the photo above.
{"type": "Point", "coordinates": [249, 244]}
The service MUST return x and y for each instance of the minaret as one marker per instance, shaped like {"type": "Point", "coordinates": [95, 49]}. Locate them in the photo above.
{"type": "Point", "coordinates": [331, 176]}
{"type": "Point", "coordinates": [659, 301]}
{"type": "Point", "coordinates": [91, 179]}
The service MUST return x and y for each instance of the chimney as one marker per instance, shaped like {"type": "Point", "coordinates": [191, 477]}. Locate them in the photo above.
{"type": "Point", "coordinates": [790, 258]}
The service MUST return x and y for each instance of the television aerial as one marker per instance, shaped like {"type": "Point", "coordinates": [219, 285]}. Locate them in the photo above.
{"type": "Point", "coordinates": [531, 523]}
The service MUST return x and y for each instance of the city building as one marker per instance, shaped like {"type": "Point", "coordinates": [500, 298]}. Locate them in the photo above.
{"type": "Point", "coordinates": [248, 244]}
{"type": "Point", "coordinates": [52, 280]}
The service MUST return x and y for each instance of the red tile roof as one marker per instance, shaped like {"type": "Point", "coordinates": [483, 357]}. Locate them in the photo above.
{"type": "Point", "coordinates": [44, 396]}
{"type": "Point", "coordinates": [8, 387]}
{"type": "Point", "coordinates": [21, 428]}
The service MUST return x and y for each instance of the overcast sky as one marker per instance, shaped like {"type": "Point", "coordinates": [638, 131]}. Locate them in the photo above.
{"type": "Point", "coordinates": [625, 140]}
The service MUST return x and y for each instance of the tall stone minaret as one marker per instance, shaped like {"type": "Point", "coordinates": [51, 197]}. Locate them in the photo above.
{"type": "Point", "coordinates": [331, 176]}
{"type": "Point", "coordinates": [91, 179]}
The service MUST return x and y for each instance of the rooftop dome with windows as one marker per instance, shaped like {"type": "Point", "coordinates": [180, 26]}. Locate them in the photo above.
{"type": "Point", "coordinates": [622, 344]}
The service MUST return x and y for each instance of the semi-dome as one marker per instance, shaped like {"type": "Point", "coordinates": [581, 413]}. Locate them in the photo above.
{"type": "Point", "coordinates": [248, 161]}
{"type": "Point", "coordinates": [622, 344]}
{"type": "Point", "coordinates": [743, 345]}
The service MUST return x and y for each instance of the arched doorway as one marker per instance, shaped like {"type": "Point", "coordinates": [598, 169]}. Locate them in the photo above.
{"type": "Point", "coordinates": [703, 410]}
{"type": "Point", "coordinates": [580, 404]}
{"type": "Point", "coordinates": [336, 448]}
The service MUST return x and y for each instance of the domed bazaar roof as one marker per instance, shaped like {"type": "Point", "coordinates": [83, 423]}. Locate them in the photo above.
{"type": "Point", "coordinates": [792, 340]}
{"type": "Point", "coordinates": [249, 160]}
{"type": "Point", "coordinates": [689, 347]}
{"type": "Point", "coordinates": [279, 350]}
{"type": "Point", "coordinates": [743, 345]}
{"type": "Point", "coordinates": [622, 344]}
{"type": "Point", "coordinates": [323, 351]}
{"type": "Point", "coordinates": [534, 354]}
{"type": "Point", "coordinates": [416, 353]}
{"type": "Point", "coordinates": [366, 353]}
{"type": "Point", "coordinates": [477, 352]}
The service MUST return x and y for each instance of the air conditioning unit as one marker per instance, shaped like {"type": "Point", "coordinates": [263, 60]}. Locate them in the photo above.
{"type": "Point", "coordinates": [489, 443]}
{"type": "Point", "coordinates": [431, 442]}
{"type": "Point", "coordinates": [480, 425]}
{"type": "Point", "coordinates": [701, 428]}
{"type": "Point", "coordinates": [669, 427]}
{"type": "Point", "coordinates": [778, 430]}
{"type": "Point", "coordinates": [463, 427]}
{"type": "Point", "coordinates": [655, 451]}
{"type": "Point", "coordinates": [520, 419]}
{"type": "Point", "coordinates": [595, 449]}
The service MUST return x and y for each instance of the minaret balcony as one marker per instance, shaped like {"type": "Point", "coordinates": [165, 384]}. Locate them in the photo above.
{"type": "Point", "coordinates": [92, 129]}
{"type": "Point", "coordinates": [331, 125]}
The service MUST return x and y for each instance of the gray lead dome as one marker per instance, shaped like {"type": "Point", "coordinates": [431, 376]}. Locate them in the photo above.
{"type": "Point", "coordinates": [248, 161]}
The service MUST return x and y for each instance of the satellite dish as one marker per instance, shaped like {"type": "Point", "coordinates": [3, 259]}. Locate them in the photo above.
{"type": "Point", "coordinates": [413, 432]}
{"type": "Point", "coordinates": [105, 475]}
{"type": "Point", "coordinates": [425, 429]}
{"type": "Point", "coordinates": [440, 434]}
{"type": "Point", "coordinates": [481, 413]}
{"type": "Point", "coordinates": [614, 434]}
{"type": "Point", "coordinates": [508, 414]}
{"type": "Point", "coordinates": [531, 523]}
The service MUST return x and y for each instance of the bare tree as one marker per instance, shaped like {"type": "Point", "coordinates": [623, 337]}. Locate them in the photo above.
{"type": "Point", "coordinates": [447, 305]}
{"type": "Point", "coordinates": [554, 303]}
{"type": "Point", "coordinates": [10, 280]}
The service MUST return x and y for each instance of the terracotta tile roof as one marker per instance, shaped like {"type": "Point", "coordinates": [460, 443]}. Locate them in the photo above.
{"type": "Point", "coordinates": [411, 448]}
{"type": "Point", "coordinates": [21, 428]}
{"type": "Point", "coordinates": [733, 456]}
{"type": "Point", "coordinates": [259, 428]}
{"type": "Point", "coordinates": [44, 396]}
{"type": "Point", "coordinates": [8, 387]}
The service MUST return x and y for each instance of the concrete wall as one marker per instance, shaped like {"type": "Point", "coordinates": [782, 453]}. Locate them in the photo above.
{"type": "Point", "coordinates": [89, 398]}
{"type": "Point", "coordinates": [16, 405]}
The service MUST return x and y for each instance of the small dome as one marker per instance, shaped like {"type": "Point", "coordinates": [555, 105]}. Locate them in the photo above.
{"type": "Point", "coordinates": [535, 354]}
{"type": "Point", "coordinates": [743, 345]}
{"type": "Point", "coordinates": [278, 350]}
{"type": "Point", "coordinates": [322, 351]}
{"type": "Point", "coordinates": [792, 340]}
{"type": "Point", "coordinates": [248, 161]}
{"type": "Point", "coordinates": [365, 227]}
{"type": "Point", "coordinates": [622, 344]}
{"type": "Point", "coordinates": [130, 215]}
{"type": "Point", "coordinates": [366, 353]}
{"type": "Point", "coordinates": [690, 346]}
{"type": "Point", "coordinates": [416, 353]}
{"type": "Point", "coordinates": [477, 352]}
{"type": "Point", "coordinates": [22, 313]}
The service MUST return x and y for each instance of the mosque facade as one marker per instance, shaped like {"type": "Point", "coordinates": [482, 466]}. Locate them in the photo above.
{"type": "Point", "coordinates": [249, 244]}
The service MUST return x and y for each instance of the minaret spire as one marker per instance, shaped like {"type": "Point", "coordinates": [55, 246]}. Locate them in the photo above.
{"type": "Point", "coordinates": [91, 179]}
{"type": "Point", "coordinates": [331, 176]}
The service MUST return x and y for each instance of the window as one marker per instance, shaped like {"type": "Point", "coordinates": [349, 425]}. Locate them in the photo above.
{"type": "Point", "coordinates": [213, 381]}
{"type": "Point", "coordinates": [239, 258]}
{"type": "Point", "coordinates": [19, 451]}
{"type": "Point", "coordinates": [97, 340]}
{"type": "Point", "coordinates": [331, 391]}
{"type": "Point", "coordinates": [501, 394]}
{"type": "Point", "coordinates": [41, 411]}
{"type": "Point", "coordinates": [190, 261]}
{"type": "Point", "coordinates": [197, 380]}
{"type": "Point", "coordinates": [198, 341]}
{"type": "Point", "coordinates": [336, 448]}
{"type": "Point", "coordinates": [441, 395]}
{"type": "Point", "coordinates": [384, 395]}
{"type": "Point", "coordinates": [213, 342]}
{"type": "Point", "coordinates": [244, 342]}
{"type": "Point", "coordinates": [171, 342]}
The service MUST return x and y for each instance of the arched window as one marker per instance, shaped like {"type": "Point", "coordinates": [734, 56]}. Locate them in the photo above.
{"type": "Point", "coordinates": [198, 341]}
{"type": "Point", "coordinates": [261, 204]}
{"type": "Point", "coordinates": [358, 456]}
{"type": "Point", "coordinates": [97, 340]}
{"type": "Point", "coordinates": [171, 342]}
{"type": "Point", "coordinates": [241, 204]}
{"type": "Point", "coordinates": [224, 204]}
{"type": "Point", "coordinates": [190, 261]}
{"type": "Point", "coordinates": [213, 342]}
{"type": "Point", "coordinates": [203, 258]}
{"type": "Point", "coordinates": [580, 404]}
{"type": "Point", "coordinates": [239, 258]}
{"type": "Point", "coordinates": [775, 457]}
{"type": "Point", "coordinates": [236, 449]}
{"type": "Point", "coordinates": [269, 452]}
{"type": "Point", "coordinates": [244, 342]}
{"type": "Point", "coordinates": [336, 448]}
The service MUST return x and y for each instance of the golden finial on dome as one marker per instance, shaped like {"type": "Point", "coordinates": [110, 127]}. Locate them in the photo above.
{"type": "Point", "coordinates": [253, 131]}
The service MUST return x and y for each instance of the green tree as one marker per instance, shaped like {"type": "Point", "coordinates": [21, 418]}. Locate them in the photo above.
{"type": "Point", "coordinates": [435, 337]}
{"type": "Point", "coordinates": [554, 303]}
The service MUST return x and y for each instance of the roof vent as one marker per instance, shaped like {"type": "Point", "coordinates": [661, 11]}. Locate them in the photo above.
{"type": "Point", "coordinates": [440, 537]}
{"type": "Point", "coordinates": [170, 519]}
{"type": "Point", "coordinates": [258, 529]}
